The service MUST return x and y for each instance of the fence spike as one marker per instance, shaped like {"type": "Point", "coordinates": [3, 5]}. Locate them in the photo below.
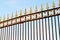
{"type": "Point", "coordinates": [25, 11]}
{"type": "Point", "coordinates": [20, 12]}
{"type": "Point", "coordinates": [47, 6]}
{"type": "Point", "coordinates": [16, 14]}
{"type": "Point", "coordinates": [59, 3]}
{"type": "Point", "coordinates": [30, 10]}
{"type": "Point", "coordinates": [7, 16]}
{"type": "Point", "coordinates": [53, 4]}
{"type": "Point", "coordinates": [42, 8]}
{"type": "Point", "coordinates": [4, 18]}
{"type": "Point", "coordinates": [0, 19]}
{"type": "Point", "coordinates": [36, 9]}
{"type": "Point", "coordinates": [12, 15]}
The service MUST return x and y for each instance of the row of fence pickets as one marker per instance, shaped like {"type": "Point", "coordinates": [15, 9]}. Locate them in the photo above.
{"type": "Point", "coordinates": [28, 17]}
{"type": "Point", "coordinates": [25, 12]}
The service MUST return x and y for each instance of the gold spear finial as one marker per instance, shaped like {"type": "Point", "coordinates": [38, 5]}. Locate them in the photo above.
{"type": "Point", "coordinates": [36, 9]}
{"type": "Point", "coordinates": [42, 8]}
{"type": "Point", "coordinates": [30, 10]}
{"type": "Point", "coordinates": [7, 16]}
{"type": "Point", "coordinates": [16, 14]}
{"type": "Point", "coordinates": [53, 4]}
{"type": "Point", "coordinates": [47, 6]}
{"type": "Point", "coordinates": [12, 15]}
{"type": "Point", "coordinates": [0, 19]}
{"type": "Point", "coordinates": [25, 12]}
{"type": "Point", "coordinates": [4, 18]}
{"type": "Point", "coordinates": [59, 3]}
{"type": "Point", "coordinates": [20, 12]}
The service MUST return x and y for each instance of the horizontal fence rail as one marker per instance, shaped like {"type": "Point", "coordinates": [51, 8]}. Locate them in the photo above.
{"type": "Point", "coordinates": [42, 25]}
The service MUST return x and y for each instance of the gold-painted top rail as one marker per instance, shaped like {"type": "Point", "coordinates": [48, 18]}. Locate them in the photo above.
{"type": "Point", "coordinates": [19, 19]}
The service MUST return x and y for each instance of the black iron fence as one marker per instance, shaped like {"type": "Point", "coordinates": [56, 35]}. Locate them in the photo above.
{"type": "Point", "coordinates": [43, 25]}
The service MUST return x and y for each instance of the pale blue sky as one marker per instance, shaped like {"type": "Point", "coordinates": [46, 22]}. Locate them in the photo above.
{"type": "Point", "coordinates": [9, 6]}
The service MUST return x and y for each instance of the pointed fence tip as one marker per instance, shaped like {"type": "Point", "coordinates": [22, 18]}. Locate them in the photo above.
{"type": "Point", "coordinates": [36, 9]}
{"type": "Point", "coordinates": [59, 3]}
{"type": "Point", "coordinates": [47, 6]}
{"type": "Point", "coordinates": [30, 10]}
{"type": "Point", "coordinates": [0, 18]}
{"type": "Point", "coordinates": [12, 15]}
{"type": "Point", "coordinates": [53, 4]}
{"type": "Point", "coordinates": [41, 7]}
{"type": "Point", "coordinates": [25, 11]}
{"type": "Point", "coordinates": [20, 12]}
{"type": "Point", "coordinates": [16, 14]}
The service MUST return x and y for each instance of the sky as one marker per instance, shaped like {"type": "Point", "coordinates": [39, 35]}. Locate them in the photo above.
{"type": "Point", "coordinates": [11, 6]}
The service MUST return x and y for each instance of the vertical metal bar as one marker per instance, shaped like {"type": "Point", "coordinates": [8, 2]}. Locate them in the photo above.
{"type": "Point", "coordinates": [25, 28]}
{"type": "Point", "coordinates": [3, 31]}
{"type": "Point", "coordinates": [23, 31]}
{"type": "Point", "coordinates": [20, 29]}
{"type": "Point", "coordinates": [46, 28]}
{"type": "Point", "coordinates": [42, 27]}
{"type": "Point", "coordinates": [39, 29]}
{"type": "Point", "coordinates": [31, 29]}
{"type": "Point", "coordinates": [2, 34]}
{"type": "Point", "coordinates": [13, 30]}
{"type": "Point", "coordinates": [28, 30]}
{"type": "Point", "coordinates": [7, 30]}
{"type": "Point", "coordinates": [55, 25]}
{"type": "Point", "coordinates": [58, 26]}
{"type": "Point", "coordinates": [52, 28]}
{"type": "Point", "coordinates": [9, 33]}
{"type": "Point", "coordinates": [34, 30]}
{"type": "Point", "coordinates": [48, 25]}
